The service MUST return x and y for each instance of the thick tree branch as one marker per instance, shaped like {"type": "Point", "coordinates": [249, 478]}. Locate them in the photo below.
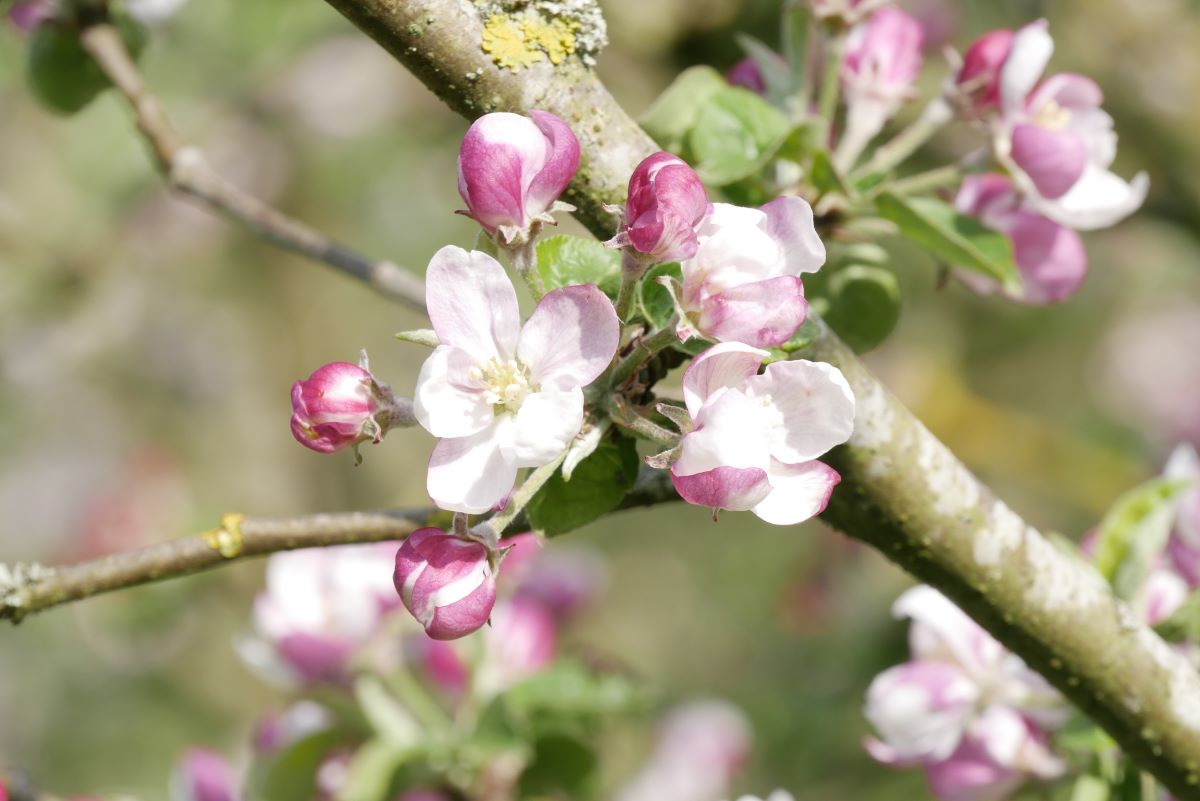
{"type": "Point", "coordinates": [186, 170]}
{"type": "Point", "coordinates": [903, 492]}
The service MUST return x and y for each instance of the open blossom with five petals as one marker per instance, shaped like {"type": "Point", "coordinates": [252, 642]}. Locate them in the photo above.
{"type": "Point", "coordinates": [319, 606]}
{"type": "Point", "coordinates": [501, 396]}
{"type": "Point", "coordinates": [1052, 133]}
{"type": "Point", "coordinates": [965, 709]}
{"type": "Point", "coordinates": [1050, 257]}
{"type": "Point", "coordinates": [756, 437]}
{"type": "Point", "coordinates": [512, 168]}
{"type": "Point", "coordinates": [666, 202]}
{"type": "Point", "coordinates": [743, 283]}
{"type": "Point", "coordinates": [448, 583]}
{"type": "Point", "coordinates": [883, 59]}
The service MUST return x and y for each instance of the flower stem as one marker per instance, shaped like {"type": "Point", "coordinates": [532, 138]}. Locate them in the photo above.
{"type": "Point", "coordinates": [827, 97]}
{"type": "Point", "coordinates": [643, 352]}
{"type": "Point", "coordinates": [633, 267]}
{"type": "Point", "coordinates": [930, 179]}
{"type": "Point", "coordinates": [490, 530]}
{"type": "Point", "coordinates": [902, 145]}
{"type": "Point", "coordinates": [633, 422]}
{"type": "Point", "coordinates": [524, 260]}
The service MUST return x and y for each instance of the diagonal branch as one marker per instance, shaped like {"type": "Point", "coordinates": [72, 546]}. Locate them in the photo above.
{"type": "Point", "coordinates": [186, 170]}
{"type": "Point", "coordinates": [903, 492]}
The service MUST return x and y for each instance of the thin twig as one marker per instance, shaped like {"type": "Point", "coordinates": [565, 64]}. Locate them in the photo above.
{"type": "Point", "coordinates": [186, 170]}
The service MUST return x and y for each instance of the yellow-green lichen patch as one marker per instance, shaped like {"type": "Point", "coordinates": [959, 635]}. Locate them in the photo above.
{"type": "Point", "coordinates": [519, 40]}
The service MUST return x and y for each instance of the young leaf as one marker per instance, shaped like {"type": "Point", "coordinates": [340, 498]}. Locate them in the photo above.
{"type": "Point", "coordinates": [674, 113]}
{"type": "Point", "coordinates": [1134, 532]}
{"type": "Point", "coordinates": [864, 305]}
{"type": "Point", "coordinates": [566, 260]}
{"type": "Point", "coordinates": [735, 134]}
{"type": "Point", "coordinates": [597, 485]}
{"type": "Point", "coordinates": [952, 237]}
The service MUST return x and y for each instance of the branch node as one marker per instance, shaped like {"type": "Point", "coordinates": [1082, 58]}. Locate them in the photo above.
{"type": "Point", "coordinates": [227, 539]}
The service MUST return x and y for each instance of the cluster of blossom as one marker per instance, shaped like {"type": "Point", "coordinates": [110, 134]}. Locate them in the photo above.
{"type": "Point", "coordinates": [501, 395]}
{"type": "Point", "coordinates": [971, 714]}
{"type": "Point", "coordinates": [1049, 137]}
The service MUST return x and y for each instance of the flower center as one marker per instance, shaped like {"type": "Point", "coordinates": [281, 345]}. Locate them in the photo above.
{"type": "Point", "coordinates": [1052, 116]}
{"type": "Point", "coordinates": [505, 383]}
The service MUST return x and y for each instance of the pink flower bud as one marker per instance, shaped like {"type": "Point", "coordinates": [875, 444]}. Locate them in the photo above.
{"type": "Point", "coordinates": [446, 583]}
{"type": "Point", "coordinates": [666, 203]}
{"type": "Point", "coordinates": [28, 14]}
{"type": "Point", "coordinates": [512, 168]}
{"type": "Point", "coordinates": [339, 406]}
{"type": "Point", "coordinates": [979, 75]}
{"type": "Point", "coordinates": [747, 75]}
{"type": "Point", "coordinates": [203, 775]}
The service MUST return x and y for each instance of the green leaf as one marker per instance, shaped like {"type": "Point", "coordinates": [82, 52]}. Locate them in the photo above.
{"type": "Point", "coordinates": [735, 134]}
{"type": "Point", "coordinates": [567, 260]}
{"type": "Point", "coordinates": [1184, 623]}
{"type": "Point", "coordinates": [677, 108]}
{"type": "Point", "coordinates": [1134, 532]}
{"type": "Point", "coordinates": [657, 306]}
{"type": "Point", "coordinates": [561, 764]}
{"type": "Point", "coordinates": [597, 485]}
{"type": "Point", "coordinates": [952, 237]}
{"type": "Point", "coordinates": [60, 72]}
{"type": "Point", "coordinates": [1090, 788]}
{"type": "Point", "coordinates": [567, 695]}
{"type": "Point", "coordinates": [372, 770]}
{"type": "Point", "coordinates": [390, 719]}
{"type": "Point", "coordinates": [864, 305]}
{"type": "Point", "coordinates": [826, 177]}
{"type": "Point", "coordinates": [803, 337]}
{"type": "Point", "coordinates": [292, 774]}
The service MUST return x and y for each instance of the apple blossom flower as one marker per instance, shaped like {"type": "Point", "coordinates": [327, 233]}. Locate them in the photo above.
{"type": "Point", "coordinates": [1053, 135]}
{"type": "Point", "coordinates": [979, 76]}
{"type": "Point", "coordinates": [521, 642]}
{"type": "Point", "coordinates": [743, 283]}
{"type": "Point", "coordinates": [341, 405]}
{"type": "Point", "coordinates": [666, 201]}
{"type": "Point", "coordinates": [883, 59]}
{"type": "Point", "coordinates": [446, 582]}
{"type": "Point", "coordinates": [319, 607]}
{"type": "Point", "coordinates": [967, 711]}
{"type": "Point", "coordinates": [699, 750]}
{"type": "Point", "coordinates": [511, 170]}
{"type": "Point", "coordinates": [203, 775]}
{"type": "Point", "coordinates": [756, 437]}
{"type": "Point", "coordinates": [1050, 258]}
{"type": "Point", "coordinates": [500, 396]}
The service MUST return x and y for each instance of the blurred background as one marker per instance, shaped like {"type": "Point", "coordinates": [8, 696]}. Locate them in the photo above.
{"type": "Point", "coordinates": [147, 350]}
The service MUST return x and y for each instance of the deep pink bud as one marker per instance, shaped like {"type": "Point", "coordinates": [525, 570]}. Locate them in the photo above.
{"type": "Point", "coordinates": [747, 75]}
{"type": "Point", "coordinates": [28, 14]}
{"type": "Point", "coordinates": [339, 406]}
{"type": "Point", "coordinates": [512, 168]}
{"type": "Point", "coordinates": [666, 202]}
{"type": "Point", "coordinates": [446, 582]}
{"type": "Point", "coordinates": [203, 775]}
{"type": "Point", "coordinates": [979, 75]}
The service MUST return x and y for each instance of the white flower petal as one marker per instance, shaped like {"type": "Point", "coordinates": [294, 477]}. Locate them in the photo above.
{"type": "Point", "coordinates": [815, 408]}
{"type": "Point", "coordinates": [470, 474]}
{"type": "Point", "coordinates": [731, 431]}
{"type": "Point", "coordinates": [728, 364]}
{"type": "Point", "coordinates": [1031, 51]}
{"type": "Point", "coordinates": [472, 303]}
{"type": "Point", "coordinates": [799, 492]}
{"type": "Point", "coordinates": [445, 404]}
{"type": "Point", "coordinates": [1097, 200]}
{"type": "Point", "coordinates": [570, 338]}
{"type": "Point", "coordinates": [544, 427]}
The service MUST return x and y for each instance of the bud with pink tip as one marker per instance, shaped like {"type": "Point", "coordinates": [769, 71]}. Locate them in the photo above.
{"type": "Point", "coordinates": [1050, 257]}
{"type": "Point", "coordinates": [341, 405]}
{"type": "Point", "coordinates": [203, 775]}
{"type": "Point", "coordinates": [883, 58]}
{"type": "Point", "coordinates": [747, 75]}
{"type": "Point", "coordinates": [666, 203]}
{"type": "Point", "coordinates": [979, 76]}
{"type": "Point", "coordinates": [446, 582]}
{"type": "Point", "coordinates": [511, 170]}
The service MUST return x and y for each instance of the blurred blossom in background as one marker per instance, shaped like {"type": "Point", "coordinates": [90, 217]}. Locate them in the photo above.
{"type": "Point", "coordinates": [147, 351]}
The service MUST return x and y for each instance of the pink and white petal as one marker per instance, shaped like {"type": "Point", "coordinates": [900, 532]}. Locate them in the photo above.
{"type": "Point", "coordinates": [814, 407]}
{"type": "Point", "coordinates": [1031, 51]}
{"type": "Point", "coordinates": [731, 431]}
{"type": "Point", "coordinates": [570, 338]}
{"type": "Point", "coordinates": [545, 425]}
{"type": "Point", "coordinates": [728, 364]}
{"type": "Point", "coordinates": [790, 222]}
{"type": "Point", "coordinates": [444, 403]}
{"type": "Point", "coordinates": [1051, 258]}
{"type": "Point", "coordinates": [921, 708]}
{"type": "Point", "coordinates": [987, 195]}
{"type": "Point", "coordinates": [970, 774]}
{"type": "Point", "coordinates": [738, 489]}
{"type": "Point", "coordinates": [940, 630]}
{"type": "Point", "coordinates": [761, 314]}
{"type": "Point", "coordinates": [1068, 90]}
{"type": "Point", "coordinates": [1054, 160]}
{"type": "Point", "coordinates": [470, 474]}
{"type": "Point", "coordinates": [1184, 463]}
{"type": "Point", "coordinates": [562, 161]}
{"type": "Point", "coordinates": [500, 155]}
{"type": "Point", "coordinates": [1099, 199]}
{"type": "Point", "coordinates": [472, 303]}
{"type": "Point", "coordinates": [799, 492]}
{"type": "Point", "coordinates": [884, 754]}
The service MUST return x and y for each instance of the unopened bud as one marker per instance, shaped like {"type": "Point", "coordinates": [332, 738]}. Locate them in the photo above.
{"type": "Point", "coordinates": [446, 582]}
{"type": "Point", "coordinates": [342, 405]}
{"type": "Point", "coordinates": [666, 202]}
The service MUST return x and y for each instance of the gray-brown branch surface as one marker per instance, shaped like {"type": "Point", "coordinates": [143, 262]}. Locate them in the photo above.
{"type": "Point", "coordinates": [902, 492]}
